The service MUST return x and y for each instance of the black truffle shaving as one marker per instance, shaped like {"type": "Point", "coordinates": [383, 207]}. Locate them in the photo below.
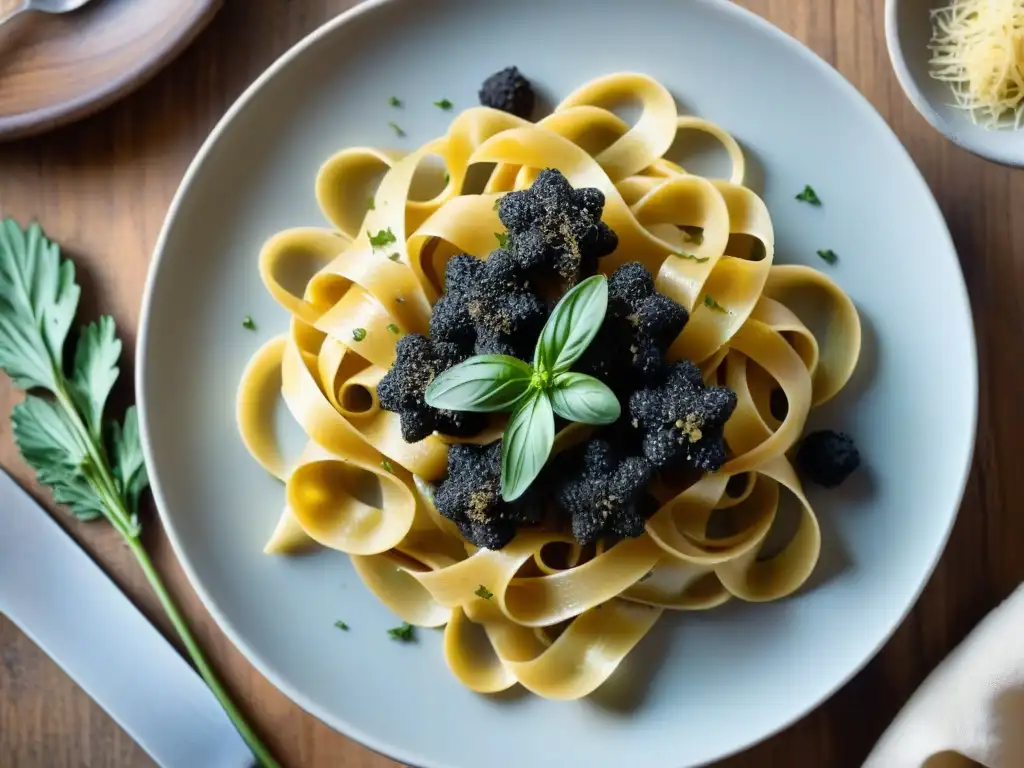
{"type": "Point", "coordinates": [827, 458]}
{"type": "Point", "coordinates": [471, 497]}
{"type": "Point", "coordinates": [508, 91]}
{"type": "Point", "coordinates": [681, 420]}
{"type": "Point", "coordinates": [638, 328]}
{"type": "Point", "coordinates": [605, 494]}
{"type": "Point", "coordinates": [555, 228]}
{"type": "Point", "coordinates": [401, 390]}
{"type": "Point", "coordinates": [450, 321]}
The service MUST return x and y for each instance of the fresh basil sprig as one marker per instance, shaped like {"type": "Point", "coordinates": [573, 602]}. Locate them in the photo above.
{"type": "Point", "coordinates": [534, 394]}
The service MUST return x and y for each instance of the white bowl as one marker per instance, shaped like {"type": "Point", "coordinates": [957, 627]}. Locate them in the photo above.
{"type": "Point", "coordinates": [701, 685]}
{"type": "Point", "coordinates": [908, 30]}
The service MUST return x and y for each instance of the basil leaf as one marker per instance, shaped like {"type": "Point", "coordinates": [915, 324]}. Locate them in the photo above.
{"type": "Point", "coordinates": [481, 384]}
{"type": "Point", "coordinates": [526, 444]}
{"type": "Point", "coordinates": [582, 398]}
{"type": "Point", "coordinates": [572, 326]}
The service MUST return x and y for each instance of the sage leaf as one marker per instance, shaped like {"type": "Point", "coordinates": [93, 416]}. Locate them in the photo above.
{"type": "Point", "coordinates": [572, 325]}
{"type": "Point", "coordinates": [526, 444]}
{"type": "Point", "coordinates": [582, 398]}
{"type": "Point", "coordinates": [482, 384]}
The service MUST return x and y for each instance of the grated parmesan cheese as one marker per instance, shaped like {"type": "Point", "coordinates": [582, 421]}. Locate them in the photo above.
{"type": "Point", "coordinates": [978, 47]}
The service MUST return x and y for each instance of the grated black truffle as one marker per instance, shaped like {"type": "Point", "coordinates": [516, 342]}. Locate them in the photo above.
{"type": "Point", "coordinates": [450, 320]}
{"type": "Point", "coordinates": [606, 494]}
{"type": "Point", "coordinates": [401, 390]}
{"type": "Point", "coordinates": [681, 420]}
{"type": "Point", "coordinates": [827, 458]}
{"type": "Point", "coordinates": [555, 228]}
{"type": "Point", "coordinates": [508, 91]}
{"type": "Point", "coordinates": [638, 328]}
{"type": "Point", "coordinates": [471, 497]}
{"type": "Point", "coordinates": [500, 302]}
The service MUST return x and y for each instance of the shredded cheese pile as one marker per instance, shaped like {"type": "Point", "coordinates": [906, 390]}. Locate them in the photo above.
{"type": "Point", "coordinates": [978, 47]}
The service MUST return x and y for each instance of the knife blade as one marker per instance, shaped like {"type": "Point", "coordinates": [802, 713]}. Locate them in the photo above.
{"type": "Point", "coordinates": [72, 610]}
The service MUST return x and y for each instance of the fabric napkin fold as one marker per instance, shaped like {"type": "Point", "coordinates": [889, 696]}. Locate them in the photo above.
{"type": "Point", "coordinates": [971, 708]}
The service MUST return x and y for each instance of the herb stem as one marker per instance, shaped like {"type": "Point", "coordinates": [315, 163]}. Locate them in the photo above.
{"type": "Point", "coordinates": [259, 749]}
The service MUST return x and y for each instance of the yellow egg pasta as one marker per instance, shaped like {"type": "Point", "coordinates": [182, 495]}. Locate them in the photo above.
{"type": "Point", "coordinates": [542, 612]}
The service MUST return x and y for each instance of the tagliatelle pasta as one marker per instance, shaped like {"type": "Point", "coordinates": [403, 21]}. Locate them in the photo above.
{"type": "Point", "coordinates": [543, 612]}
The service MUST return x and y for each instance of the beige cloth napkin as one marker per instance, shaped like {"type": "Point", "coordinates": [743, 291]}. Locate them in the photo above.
{"type": "Point", "coordinates": [971, 708]}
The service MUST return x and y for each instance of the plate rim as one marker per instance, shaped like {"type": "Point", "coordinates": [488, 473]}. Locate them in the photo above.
{"type": "Point", "coordinates": [268, 669]}
{"type": "Point", "coordinates": [31, 123]}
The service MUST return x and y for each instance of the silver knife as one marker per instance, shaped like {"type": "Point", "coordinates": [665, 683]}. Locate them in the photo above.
{"type": "Point", "coordinates": [62, 600]}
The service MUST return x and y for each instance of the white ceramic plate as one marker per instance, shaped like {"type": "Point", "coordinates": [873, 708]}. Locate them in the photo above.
{"type": "Point", "coordinates": [701, 685]}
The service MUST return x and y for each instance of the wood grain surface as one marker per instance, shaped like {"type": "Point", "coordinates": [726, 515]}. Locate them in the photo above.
{"type": "Point", "coordinates": [101, 188]}
{"type": "Point", "coordinates": [54, 69]}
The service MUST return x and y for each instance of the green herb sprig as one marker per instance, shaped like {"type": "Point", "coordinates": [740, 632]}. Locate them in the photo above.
{"type": "Point", "coordinates": [91, 463]}
{"type": "Point", "coordinates": [535, 393]}
{"type": "Point", "coordinates": [405, 633]}
{"type": "Point", "coordinates": [828, 256]}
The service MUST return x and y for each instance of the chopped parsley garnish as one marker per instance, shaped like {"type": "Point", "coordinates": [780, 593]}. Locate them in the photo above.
{"type": "Point", "coordinates": [502, 238]}
{"type": "Point", "coordinates": [809, 196]}
{"type": "Point", "coordinates": [443, 104]}
{"type": "Point", "coordinates": [358, 334]}
{"type": "Point", "coordinates": [396, 128]}
{"type": "Point", "coordinates": [387, 466]}
{"type": "Point", "coordinates": [828, 255]}
{"type": "Point", "coordinates": [447, 178]}
{"type": "Point", "coordinates": [710, 302]}
{"type": "Point", "coordinates": [483, 592]}
{"type": "Point", "coordinates": [403, 633]}
{"type": "Point", "coordinates": [383, 238]}
{"type": "Point", "coordinates": [370, 205]}
{"type": "Point", "coordinates": [691, 257]}
{"type": "Point", "coordinates": [395, 257]}
{"type": "Point", "coordinates": [393, 328]}
{"type": "Point", "coordinates": [394, 101]}
{"type": "Point", "coordinates": [248, 323]}
{"type": "Point", "coordinates": [341, 625]}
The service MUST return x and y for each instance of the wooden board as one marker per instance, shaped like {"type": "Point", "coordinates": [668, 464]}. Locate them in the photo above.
{"type": "Point", "coordinates": [102, 186]}
{"type": "Point", "coordinates": [55, 69]}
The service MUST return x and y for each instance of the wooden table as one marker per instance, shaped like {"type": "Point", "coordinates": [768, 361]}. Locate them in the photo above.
{"type": "Point", "coordinates": [101, 188]}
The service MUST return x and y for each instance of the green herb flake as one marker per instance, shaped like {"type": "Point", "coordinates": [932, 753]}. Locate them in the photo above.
{"type": "Point", "coordinates": [691, 257]}
{"type": "Point", "coordinates": [447, 178]}
{"type": "Point", "coordinates": [828, 255]}
{"type": "Point", "coordinates": [404, 633]}
{"type": "Point", "coordinates": [710, 303]}
{"type": "Point", "coordinates": [395, 257]}
{"type": "Point", "coordinates": [394, 101]}
{"type": "Point", "coordinates": [396, 128]}
{"type": "Point", "coordinates": [341, 625]}
{"type": "Point", "coordinates": [502, 238]}
{"type": "Point", "coordinates": [370, 205]}
{"type": "Point", "coordinates": [809, 196]}
{"type": "Point", "coordinates": [386, 465]}
{"type": "Point", "coordinates": [248, 323]}
{"type": "Point", "coordinates": [497, 202]}
{"type": "Point", "coordinates": [393, 328]}
{"type": "Point", "coordinates": [358, 334]}
{"type": "Point", "coordinates": [443, 104]}
{"type": "Point", "coordinates": [483, 592]}
{"type": "Point", "coordinates": [383, 238]}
